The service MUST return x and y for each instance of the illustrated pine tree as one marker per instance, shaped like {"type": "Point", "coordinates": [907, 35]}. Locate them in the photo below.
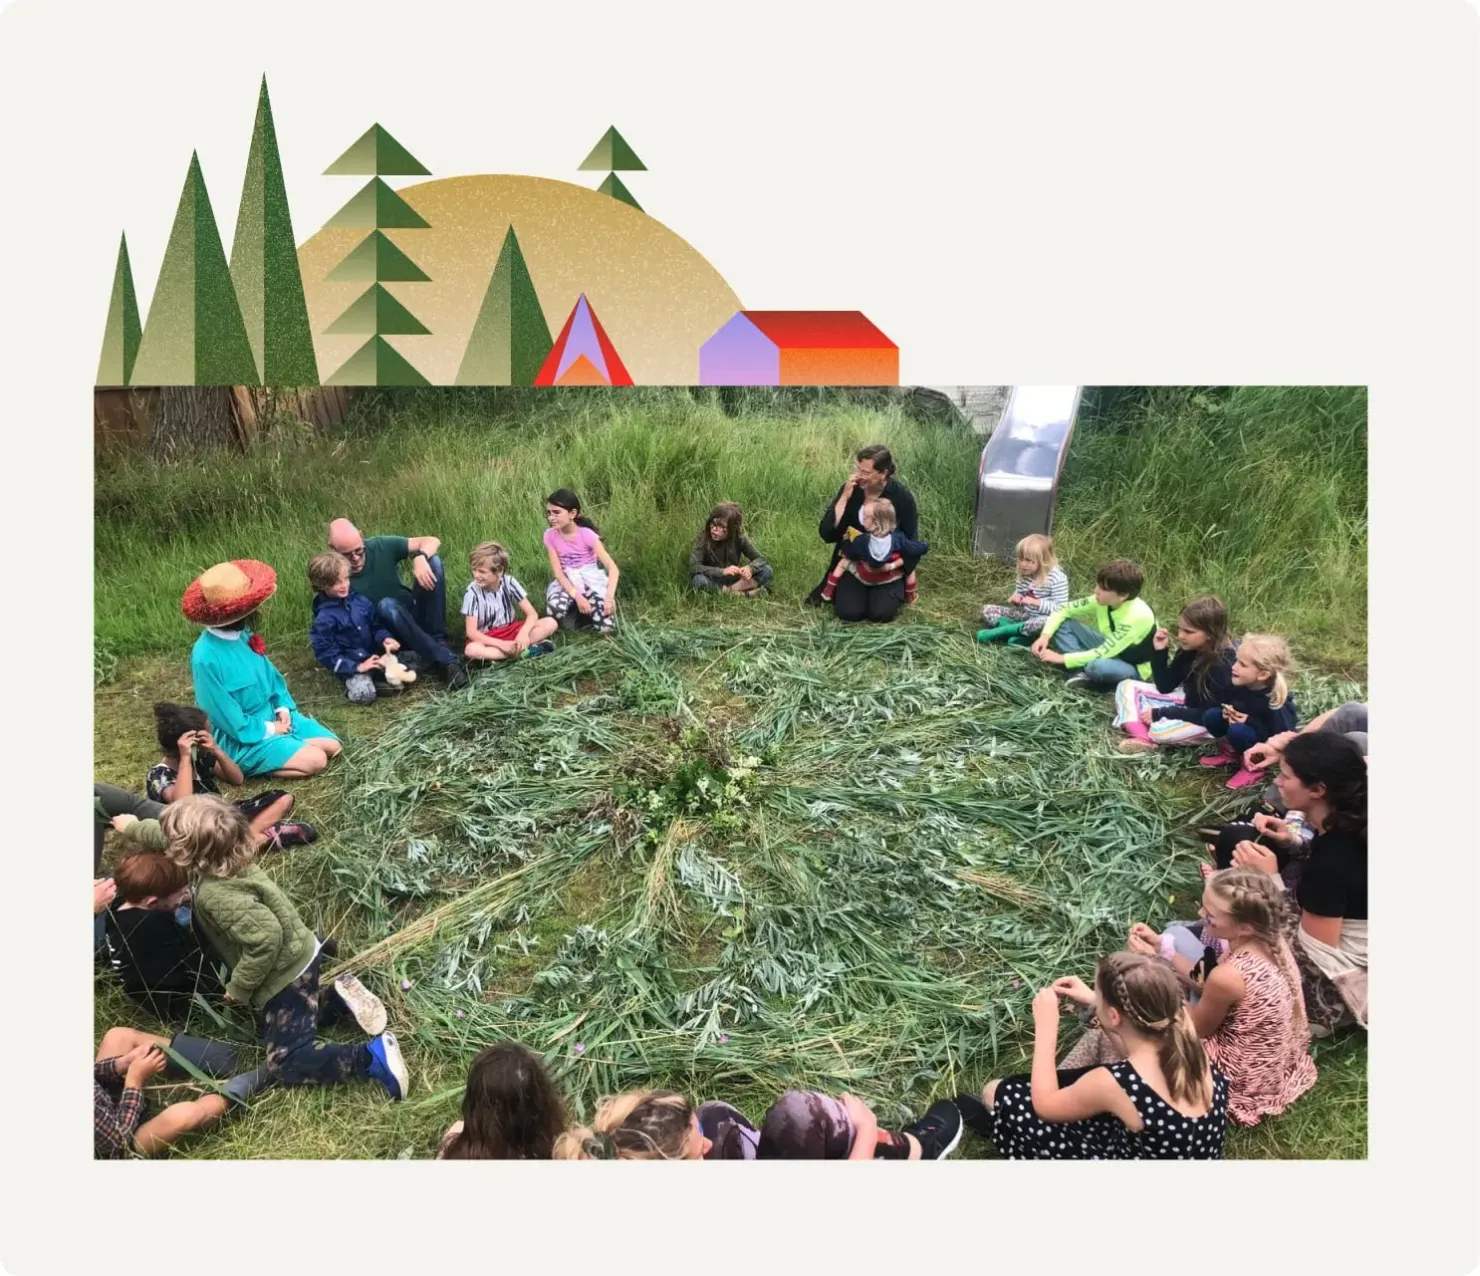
{"type": "Point", "coordinates": [613, 154]}
{"type": "Point", "coordinates": [377, 260]}
{"type": "Point", "coordinates": [121, 335]}
{"type": "Point", "coordinates": [194, 334]}
{"type": "Point", "coordinates": [510, 337]}
{"type": "Point", "coordinates": [264, 266]}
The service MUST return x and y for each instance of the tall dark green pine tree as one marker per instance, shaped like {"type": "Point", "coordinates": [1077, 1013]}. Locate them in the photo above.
{"type": "Point", "coordinates": [264, 265]}
{"type": "Point", "coordinates": [194, 334]}
{"type": "Point", "coordinates": [121, 335]}
{"type": "Point", "coordinates": [376, 260]}
{"type": "Point", "coordinates": [510, 337]}
{"type": "Point", "coordinates": [613, 154]}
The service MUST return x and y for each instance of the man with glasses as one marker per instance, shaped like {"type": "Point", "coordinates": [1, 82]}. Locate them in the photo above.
{"type": "Point", "coordinates": [416, 616]}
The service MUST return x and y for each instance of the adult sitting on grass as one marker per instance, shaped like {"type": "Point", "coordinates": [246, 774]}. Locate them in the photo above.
{"type": "Point", "coordinates": [257, 722]}
{"type": "Point", "coordinates": [1325, 776]}
{"type": "Point", "coordinates": [416, 616]}
{"type": "Point", "coordinates": [872, 478]}
{"type": "Point", "coordinates": [1349, 720]}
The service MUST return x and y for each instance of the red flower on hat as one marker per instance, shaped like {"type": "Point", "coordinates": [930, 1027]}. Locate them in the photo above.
{"type": "Point", "coordinates": [258, 644]}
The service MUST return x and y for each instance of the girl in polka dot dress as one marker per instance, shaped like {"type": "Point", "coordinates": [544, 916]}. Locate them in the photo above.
{"type": "Point", "coordinates": [1165, 1101]}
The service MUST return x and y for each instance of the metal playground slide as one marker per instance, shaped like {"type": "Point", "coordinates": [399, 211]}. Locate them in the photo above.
{"type": "Point", "coordinates": [1018, 480]}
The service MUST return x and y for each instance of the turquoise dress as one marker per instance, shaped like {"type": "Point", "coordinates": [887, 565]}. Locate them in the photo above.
{"type": "Point", "coordinates": [240, 692]}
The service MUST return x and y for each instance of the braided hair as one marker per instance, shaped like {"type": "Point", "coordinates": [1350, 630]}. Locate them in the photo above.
{"type": "Point", "coordinates": [1255, 899]}
{"type": "Point", "coordinates": [641, 1125]}
{"type": "Point", "coordinates": [1148, 995]}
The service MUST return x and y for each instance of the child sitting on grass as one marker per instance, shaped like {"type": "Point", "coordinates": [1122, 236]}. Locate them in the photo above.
{"type": "Point", "coordinates": [344, 634]}
{"type": "Point", "coordinates": [274, 958]}
{"type": "Point", "coordinates": [151, 940]}
{"type": "Point", "coordinates": [584, 576]}
{"type": "Point", "coordinates": [1041, 590]}
{"type": "Point", "coordinates": [126, 1059]}
{"type": "Point", "coordinates": [1169, 710]}
{"type": "Point", "coordinates": [1259, 705]}
{"type": "Point", "coordinates": [511, 1110]}
{"type": "Point", "coordinates": [879, 558]}
{"type": "Point", "coordinates": [1163, 1101]}
{"type": "Point", "coordinates": [190, 763]}
{"type": "Point", "coordinates": [501, 622]}
{"type": "Point", "coordinates": [1116, 644]}
{"type": "Point", "coordinates": [723, 557]}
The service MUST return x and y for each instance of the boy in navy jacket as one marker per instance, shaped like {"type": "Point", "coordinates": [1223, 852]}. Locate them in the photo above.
{"type": "Point", "coordinates": [345, 638]}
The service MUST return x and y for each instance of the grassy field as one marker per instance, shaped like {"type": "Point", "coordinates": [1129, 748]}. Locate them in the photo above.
{"type": "Point", "coordinates": [668, 859]}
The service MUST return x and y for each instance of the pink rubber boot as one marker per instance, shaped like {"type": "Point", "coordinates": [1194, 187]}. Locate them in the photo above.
{"type": "Point", "coordinates": [1224, 756]}
{"type": "Point", "coordinates": [1139, 738]}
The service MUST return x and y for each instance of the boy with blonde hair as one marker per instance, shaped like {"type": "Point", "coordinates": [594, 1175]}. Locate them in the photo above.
{"type": "Point", "coordinates": [500, 620]}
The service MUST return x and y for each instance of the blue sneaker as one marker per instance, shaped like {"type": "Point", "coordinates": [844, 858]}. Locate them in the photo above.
{"type": "Point", "coordinates": [387, 1066]}
{"type": "Point", "coordinates": [540, 648]}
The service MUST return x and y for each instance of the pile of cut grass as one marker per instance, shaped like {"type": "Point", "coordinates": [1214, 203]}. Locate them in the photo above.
{"type": "Point", "coordinates": [734, 862]}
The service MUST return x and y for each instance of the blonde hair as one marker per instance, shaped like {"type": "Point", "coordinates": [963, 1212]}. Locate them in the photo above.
{"type": "Point", "coordinates": [1039, 548]}
{"type": "Point", "coordinates": [1270, 654]}
{"type": "Point", "coordinates": [641, 1125]}
{"type": "Point", "coordinates": [208, 836]}
{"type": "Point", "coordinates": [1255, 899]}
{"type": "Point", "coordinates": [885, 519]}
{"type": "Point", "coordinates": [326, 570]}
{"type": "Point", "coordinates": [1149, 996]}
{"type": "Point", "coordinates": [489, 554]}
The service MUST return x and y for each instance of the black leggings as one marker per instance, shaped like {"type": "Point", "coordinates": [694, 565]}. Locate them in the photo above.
{"type": "Point", "coordinates": [856, 601]}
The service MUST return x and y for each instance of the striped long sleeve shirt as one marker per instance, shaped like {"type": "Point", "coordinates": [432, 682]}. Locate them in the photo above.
{"type": "Point", "coordinates": [1046, 598]}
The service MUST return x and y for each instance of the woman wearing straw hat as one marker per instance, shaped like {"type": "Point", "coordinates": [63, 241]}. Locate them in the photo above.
{"type": "Point", "coordinates": [256, 721]}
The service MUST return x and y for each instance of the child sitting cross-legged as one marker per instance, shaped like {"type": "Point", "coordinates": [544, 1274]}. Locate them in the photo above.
{"type": "Point", "coordinates": [346, 638]}
{"type": "Point", "coordinates": [1113, 640]}
{"type": "Point", "coordinates": [1169, 710]}
{"type": "Point", "coordinates": [274, 958]}
{"type": "Point", "coordinates": [190, 763]}
{"type": "Point", "coordinates": [501, 621]}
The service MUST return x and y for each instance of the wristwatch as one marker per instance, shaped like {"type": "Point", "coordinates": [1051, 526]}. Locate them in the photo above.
{"type": "Point", "coordinates": [418, 553]}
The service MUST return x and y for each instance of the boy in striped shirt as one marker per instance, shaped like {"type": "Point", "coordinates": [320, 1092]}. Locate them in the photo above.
{"type": "Point", "coordinates": [501, 622]}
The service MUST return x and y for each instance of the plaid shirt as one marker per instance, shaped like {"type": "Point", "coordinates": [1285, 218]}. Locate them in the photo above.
{"type": "Point", "coordinates": [114, 1121]}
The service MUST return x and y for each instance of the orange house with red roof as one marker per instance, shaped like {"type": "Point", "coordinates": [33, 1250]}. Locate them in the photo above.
{"type": "Point", "coordinates": [799, 347]}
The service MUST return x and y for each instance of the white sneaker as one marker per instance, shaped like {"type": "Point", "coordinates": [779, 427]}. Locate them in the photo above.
{"type": "Point", "coordinates": [364, 1005]}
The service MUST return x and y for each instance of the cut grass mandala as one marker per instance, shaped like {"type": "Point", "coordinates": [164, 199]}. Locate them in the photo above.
{"type": "Point", "coordinates": [732, 862]}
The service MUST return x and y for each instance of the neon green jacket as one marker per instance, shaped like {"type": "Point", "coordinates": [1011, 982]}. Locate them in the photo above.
{"type": "Point", "coordinates": [1127, 629]}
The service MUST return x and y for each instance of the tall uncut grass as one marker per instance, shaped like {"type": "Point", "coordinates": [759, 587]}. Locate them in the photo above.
{"type": "Point", "coordinates": [462, 466]}
{"type": "Point", "coordinates": [1255, 493]}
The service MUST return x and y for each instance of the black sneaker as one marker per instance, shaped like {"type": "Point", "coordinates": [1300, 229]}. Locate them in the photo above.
{"type": "Point", "coordinates": [411, 660]}
{"type": "Point", "coordinates": [974, 1113]}
{"type": "Point", "coordinates": [540, 648]}
{"type": "Point", "coordinates": [456, 674]}
{"type": "Point", "coordinates": [939, 1131]}
{"type": "Point", "coordinates": [1078, 681]}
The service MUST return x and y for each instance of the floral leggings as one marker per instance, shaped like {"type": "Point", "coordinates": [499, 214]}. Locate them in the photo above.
{"type": "Point", "coordinates": [998, 613]}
